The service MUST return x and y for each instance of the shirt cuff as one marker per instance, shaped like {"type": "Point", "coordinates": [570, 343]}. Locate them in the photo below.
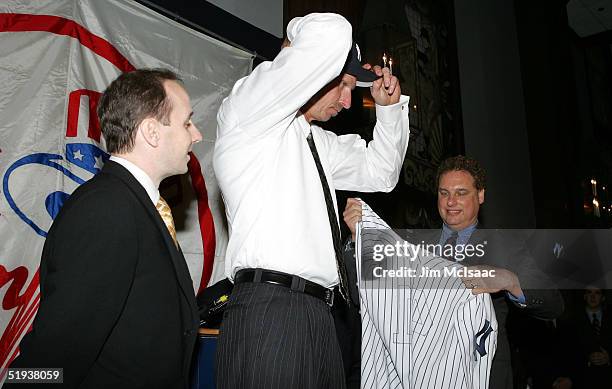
{"type": "Point", "coordinates": [519, 300]}
{"type": "Point", "coordinates": [394, 112]}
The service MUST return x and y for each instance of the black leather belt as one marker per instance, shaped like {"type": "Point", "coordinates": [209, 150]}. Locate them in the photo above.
{"type": "Point", "coordinates": [288, 280]}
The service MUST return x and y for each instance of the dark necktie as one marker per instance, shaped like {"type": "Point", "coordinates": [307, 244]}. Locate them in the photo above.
{"type": "Point", "coordinates": [596, 325]}
{"type": "Point", "coordinates": [333, 222]}
{"type": "Point", "coordinates": [449, 253]}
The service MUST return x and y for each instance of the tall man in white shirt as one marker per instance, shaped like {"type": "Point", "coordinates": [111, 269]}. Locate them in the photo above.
{"type": "Point", "coordinates": [278, 172]}
{"type": "Point", "coordinates": [117, 304]}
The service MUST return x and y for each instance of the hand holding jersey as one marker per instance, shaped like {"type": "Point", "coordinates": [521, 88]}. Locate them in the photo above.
{"type": "Point", "coordinates": [426, 335]}
{"type": "Point", "coordinates": [504, 280]}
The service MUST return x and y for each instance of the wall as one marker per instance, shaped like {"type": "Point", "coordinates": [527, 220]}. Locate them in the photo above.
{"type": "Point", "coordinates": [493, 108]}
{"type": "Point", "coordinates": [264, 14]}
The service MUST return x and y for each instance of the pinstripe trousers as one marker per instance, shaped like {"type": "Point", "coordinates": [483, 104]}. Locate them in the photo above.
{"type": "Point", "coordinates": [272, 337]}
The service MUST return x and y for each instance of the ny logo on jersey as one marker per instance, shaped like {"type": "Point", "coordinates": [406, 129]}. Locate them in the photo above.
{"type": "Point", "coordinates": [558, 250]}
{"type": "Point", "coordinates": [479, 344]}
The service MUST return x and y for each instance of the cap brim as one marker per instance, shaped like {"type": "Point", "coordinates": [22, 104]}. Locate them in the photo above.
{"type": "Point", "coordinates": [365, 78]}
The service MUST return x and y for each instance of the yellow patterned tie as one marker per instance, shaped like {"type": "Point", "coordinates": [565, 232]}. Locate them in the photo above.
{"type": "Point", "coordinates": [166, 215]}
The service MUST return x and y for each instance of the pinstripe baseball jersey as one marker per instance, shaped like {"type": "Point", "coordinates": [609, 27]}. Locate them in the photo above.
{"type": "Point", "coordinates": [418, 332]}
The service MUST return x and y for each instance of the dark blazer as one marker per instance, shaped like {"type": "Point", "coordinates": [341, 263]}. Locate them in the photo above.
{"type": "Point", "coordinates": [582, 340]}
{"type": "Point", "coordinates": [117, 307]}
{"type": "Point", "coordinates": [586, 337]}
{"type": "Point", "coordinates": [507, 252]}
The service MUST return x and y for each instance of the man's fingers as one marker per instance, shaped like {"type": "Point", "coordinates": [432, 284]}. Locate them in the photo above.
{"type": "Point", "coordinates": [352, 212]}
{"type": "Point", "coordinates": [351, 215]}
{"type": "Point", "coordinates": [478, 285]}
{"type": "Point", "coordinates": [472, 284]}
{"type": "Point", "coordinates": [392, 85]}
{"type": "Point", "coordinates": [385, 89]}
{"type": "Point", "coordinates": [353, 200]}
{"type": "Point", "coordinates": [352, 203]}
{"type": "Point", "coordinates": [378, 70]}
{"type": "Point", "coordinates": [354, 208]}
{"type": "Point", "coordinates": [469, 283]}
{"type": "Point", "coordinates": [386, 77]}
{"type": "Point", "coordinates": [391, 88]}
{"type": "Point", "coordinates": [354, 220]}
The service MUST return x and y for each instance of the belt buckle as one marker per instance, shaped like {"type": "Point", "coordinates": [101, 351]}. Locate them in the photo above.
{"type": "Point", "coordinates": [329, 297]}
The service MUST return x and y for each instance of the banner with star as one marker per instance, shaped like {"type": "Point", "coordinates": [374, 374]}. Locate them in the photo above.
{"type": "Point", "coordinates": [56, 58]}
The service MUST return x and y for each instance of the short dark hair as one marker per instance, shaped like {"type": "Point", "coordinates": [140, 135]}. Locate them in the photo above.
{"type": "Point", "coordinates": [463, 163]}
{"type": "Point", "coordinates": [131, 98]}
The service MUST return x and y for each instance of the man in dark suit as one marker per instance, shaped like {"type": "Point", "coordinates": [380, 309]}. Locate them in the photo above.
{"type": "Point", "coordinates": [461, 189]}
{"type": "Point", "coordinates": [117, 307]}
{"type": "Point", "coordinates": [588, 339]}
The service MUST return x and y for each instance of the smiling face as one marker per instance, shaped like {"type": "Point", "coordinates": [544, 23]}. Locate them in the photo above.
{"type": "Point", "coordinates": [178, 135]}
{"type": "Point", "coordinates": [458, 199]}
{"type": "Point", "coordinates": [334, 97]}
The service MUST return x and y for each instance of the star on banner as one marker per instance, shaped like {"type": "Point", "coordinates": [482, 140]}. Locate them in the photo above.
{"type": "Point", "coordinates": [77, 155]}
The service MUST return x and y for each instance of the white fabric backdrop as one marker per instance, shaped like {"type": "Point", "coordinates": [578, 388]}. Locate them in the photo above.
{"type": "Point", "coordinates": [51, 53]}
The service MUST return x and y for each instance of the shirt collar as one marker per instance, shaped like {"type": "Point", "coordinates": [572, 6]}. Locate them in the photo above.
{"type": "Point", "coordinates": [303, 123]}
{"type": "Point", "coordinates": [597, 314]}
{"type": "Point", "coordinates": [463, 236]}
{"type": "Point", "coordinates": [140, 176]}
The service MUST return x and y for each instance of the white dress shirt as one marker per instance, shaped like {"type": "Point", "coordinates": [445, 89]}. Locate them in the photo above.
{"type": "Point", "coordinates": [277, 216]}
{"type": "Point", "coordinates": [140, 176]}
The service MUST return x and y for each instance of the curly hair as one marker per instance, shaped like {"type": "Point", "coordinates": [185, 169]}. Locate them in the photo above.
{"type": "Point", "coordinates": [463, 163]}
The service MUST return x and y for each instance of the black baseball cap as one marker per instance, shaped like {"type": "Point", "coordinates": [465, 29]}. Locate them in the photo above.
{"type": "Point", "coordinates": [365, 78]}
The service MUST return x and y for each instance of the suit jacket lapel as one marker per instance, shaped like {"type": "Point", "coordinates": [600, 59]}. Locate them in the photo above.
{"type": "Point", "coordinates": [478, 237]}
{"type": "Point", "coordinates": [178, 260]}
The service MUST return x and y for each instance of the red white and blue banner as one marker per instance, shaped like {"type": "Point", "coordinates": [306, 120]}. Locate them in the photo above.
{"type": "Point", "coordinates": [56, 57]}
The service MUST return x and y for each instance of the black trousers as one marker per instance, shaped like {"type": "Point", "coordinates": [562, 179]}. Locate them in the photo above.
{"type": "Point", "coordinates": [272, 337]}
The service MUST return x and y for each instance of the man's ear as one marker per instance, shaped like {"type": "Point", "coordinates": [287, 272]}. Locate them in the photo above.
{"type": "Point", "coordinates": [150, 131]}
{"type": "Point", "coordinates": [481, 196]}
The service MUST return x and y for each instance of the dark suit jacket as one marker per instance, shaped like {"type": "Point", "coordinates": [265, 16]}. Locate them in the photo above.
{"type": "Point", "coordinates": [506, 252]}
{"type": "Point", "coordinates": [117, 307]}
{"type": "Point", "coordinates": [582, 340]}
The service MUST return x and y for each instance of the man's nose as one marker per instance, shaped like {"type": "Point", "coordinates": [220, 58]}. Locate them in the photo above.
{"type": "Point", "coordinates": [345, 100]}
{"type": "Point", "coordinates": [196, 135]}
